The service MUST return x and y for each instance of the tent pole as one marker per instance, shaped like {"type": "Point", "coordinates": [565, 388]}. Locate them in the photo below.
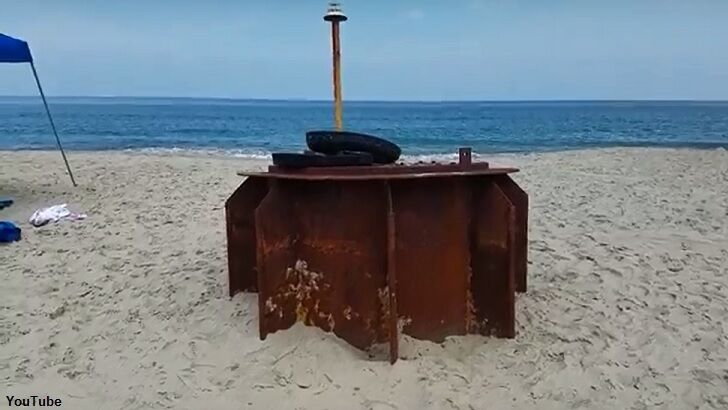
{"type": "Point", "coordinates": [53, 126]}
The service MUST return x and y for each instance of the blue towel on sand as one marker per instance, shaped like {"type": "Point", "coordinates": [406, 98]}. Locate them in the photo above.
{"type": "Point", "coordinates": [9, 232]}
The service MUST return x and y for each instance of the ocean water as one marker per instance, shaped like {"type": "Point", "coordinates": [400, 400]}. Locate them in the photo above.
{"type": "Point", "coordinates": [256, 128]}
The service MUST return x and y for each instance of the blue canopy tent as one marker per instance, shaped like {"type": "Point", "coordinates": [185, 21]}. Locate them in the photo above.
{"type": "Point", "coordinates": [13, 50]}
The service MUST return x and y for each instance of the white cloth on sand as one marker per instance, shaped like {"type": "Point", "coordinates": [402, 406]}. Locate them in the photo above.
{"type": "Point", "coordinates": [53, 214]}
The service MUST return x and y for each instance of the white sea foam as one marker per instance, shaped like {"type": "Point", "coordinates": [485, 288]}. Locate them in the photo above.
{"type": "Point", "coordinates": [266, 155]}
{"type": "Point", "coordinates": [439, 157]}
{"type": "Point", "coordinates": [237, 153]}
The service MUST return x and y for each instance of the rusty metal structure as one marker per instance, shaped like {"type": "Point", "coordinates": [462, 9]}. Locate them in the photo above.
{"type": "Point", "coordinates": [371, 252]}
{"type": "Point", "coordinates": [335, 15]}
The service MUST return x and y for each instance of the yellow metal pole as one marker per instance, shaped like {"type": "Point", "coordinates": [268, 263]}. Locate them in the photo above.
{"type": "Point", "coordinates": [336, 45]}
{"type": "Point", "coordinates": [334, 15]}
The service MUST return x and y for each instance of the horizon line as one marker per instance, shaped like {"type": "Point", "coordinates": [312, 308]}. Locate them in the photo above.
{"type": "Point", "coordinates": [293, 99]}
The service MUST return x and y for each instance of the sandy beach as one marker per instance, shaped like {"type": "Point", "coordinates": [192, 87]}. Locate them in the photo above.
{"type": "Point", "coordinates": [627, 306]}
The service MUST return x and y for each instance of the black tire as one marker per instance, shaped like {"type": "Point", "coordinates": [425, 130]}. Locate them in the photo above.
{"type": "Point", "coordinates": [333, 142]}
{"type": "Point", "coordinates": [294, 160]}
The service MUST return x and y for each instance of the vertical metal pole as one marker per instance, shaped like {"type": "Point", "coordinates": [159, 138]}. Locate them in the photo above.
{"type": "Point", "coordinates": [53, 126]}
{"type": "Point", "coordinates": [337, 75]}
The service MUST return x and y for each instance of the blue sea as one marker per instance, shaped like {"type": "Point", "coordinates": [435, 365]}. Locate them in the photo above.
{"type": "Point", "coordinates": [256, 128]}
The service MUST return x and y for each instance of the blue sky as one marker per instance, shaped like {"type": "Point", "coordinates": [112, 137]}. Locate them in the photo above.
{"type": "Point", "coordinates": [394, 50]}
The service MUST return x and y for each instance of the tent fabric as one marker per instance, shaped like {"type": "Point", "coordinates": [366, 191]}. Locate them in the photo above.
{"type": "Point", "coordinates": [13, 50]}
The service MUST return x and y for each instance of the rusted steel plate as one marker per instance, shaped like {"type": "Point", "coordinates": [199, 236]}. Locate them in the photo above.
{"type": "Point", "coordinates": [465, 157]}
{"type": "Point", "coordinates": [518, 197]}
{"type": "Point", "coordinates": [493, 260]}
{"type": "Point", "coordinates": [276, 231]}
{"type": "Point", "coordinates": [383, 172]}
{"type": "Point", "coordinates": [322, 258]}
{"type": "Point", "coordinates": [240, 225]}
{"type": "Point", "coordinates": [383, 169]}
{"type": "Point", "coordinates": [392, 310]}
{"type": "Point", "coordinates": [432, 256]}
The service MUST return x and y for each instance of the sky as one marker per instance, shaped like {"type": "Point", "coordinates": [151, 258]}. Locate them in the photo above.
{"type": "Point", "coordinates": [393, 50]}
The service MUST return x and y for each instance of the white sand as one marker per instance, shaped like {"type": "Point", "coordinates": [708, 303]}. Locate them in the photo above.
{"type": "Point", "coordinates": [627, 304]}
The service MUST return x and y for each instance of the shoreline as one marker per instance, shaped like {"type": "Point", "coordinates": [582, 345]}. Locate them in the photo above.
{"type": "Point", "coordinates": [717, 146]}
{"type": "Point", "coordinates": [408, 158]}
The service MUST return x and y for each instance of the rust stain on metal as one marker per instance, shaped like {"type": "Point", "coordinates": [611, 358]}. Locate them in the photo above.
{"type": "Point", "coordinates": [336, 46]}
{"type": "Point", "coordinates": [422, 250]}
{"type": "Point", "coordinates": [241, 243]}
{"type": "Point", "coordinates": [392, 279]}
{"type": "Point", "coordinates": [471, 318]}
{"type": "Point", "coordinates": [381, 172]}
{"type": "Point", "coordinates": [518, 197]}
{"type": "Point", "coordinates": [492, 253]}
{"type": "Point", "coordinates": [321, 214]}
{"type": "Point", "coordinates": [432, 255]}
